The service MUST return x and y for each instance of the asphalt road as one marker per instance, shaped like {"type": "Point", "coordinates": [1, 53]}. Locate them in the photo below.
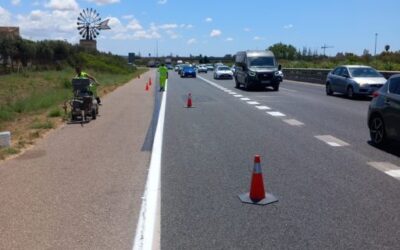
{"type": "Point", "coordinates": [333, 187]}
{"type": "Point", "coordinates": [81, 187]}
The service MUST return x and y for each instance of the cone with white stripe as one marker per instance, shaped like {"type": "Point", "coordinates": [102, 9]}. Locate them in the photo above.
{"type": "Point", "coordinates": [257, 194]}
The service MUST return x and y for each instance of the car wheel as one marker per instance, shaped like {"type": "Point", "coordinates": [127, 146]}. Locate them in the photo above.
{"type": "Point", "coordinates": [237, 83]}
{"type": "Point", "coordinates": [94, 114]}
{"type": "Point", "coordinates": [377, 130]}
{"type": "Point", "coordinates": [246, 85]}
{"type": "Point", "coordinates": [328, 89]}
{"type": "Point", "coordinates": [350, 92]}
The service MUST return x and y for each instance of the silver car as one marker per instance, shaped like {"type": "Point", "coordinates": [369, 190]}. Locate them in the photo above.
{"type": "Point", "coordinates": [384, 112]}
{"type": "Point", "coordinates": [354, 80]}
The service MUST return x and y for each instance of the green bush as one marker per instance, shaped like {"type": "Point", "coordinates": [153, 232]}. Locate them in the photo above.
{"type": "Point", "coordinates": [56, 112]}
{"type": "Point", "coordinates": [42, 125]}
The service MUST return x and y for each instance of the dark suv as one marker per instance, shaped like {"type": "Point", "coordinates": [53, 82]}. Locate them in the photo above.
{"type": "Point", "coordinates": [384, 112]}
{"type": "Point", "coordinates": [257, 69]}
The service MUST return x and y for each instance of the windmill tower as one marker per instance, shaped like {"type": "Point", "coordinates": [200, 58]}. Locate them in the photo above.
{"type": "Point", "coordinates": [89, 26]}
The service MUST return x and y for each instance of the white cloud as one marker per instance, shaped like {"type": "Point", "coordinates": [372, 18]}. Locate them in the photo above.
{"type": "Point", "coordinates": [5, 17]}
{"type": "Point", "coordinates": [44, 24]}
{"type": "Point", "coordinates": [127, 17]}
{"type": "Point", "coordinates": [229, 39]}
{"type": "Point", "coordinates": [288, 26]}
{"type": "Point", "coordinates": [247, 29]}
{"type": "Point", "coordinates": [172, 34]}
{"type": "Point", "coordinates": [208, 19]}
{"type": "Point", "coordinates": [168, 26]}
{"type": "Point", "coordinates": [258, 38]}
{"type": "Point", "coordinates": [134, 25]}
{"type": "Point", "coordinates": [191, 41]}
{"type": "Point", "coordinates": [62, 5]}
{"type": "Point", "coordinates": [215, 33]}
{"type": "Point", "coordinates": [162, 2]}
{"type": "Point", "coordinates": [187, 26]}
{"type": "Point", "coordinates": [103, 2]}
{"type": "Point", "coordinates": [15, 2]}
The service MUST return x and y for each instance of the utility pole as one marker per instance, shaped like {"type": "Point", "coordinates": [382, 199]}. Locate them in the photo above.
{"type": "Point", "coordinates": [157, 48]}
{"type": "Point", "coordinates": [326, 47]}
{"type": "Point", "coordinates": [376, 41]}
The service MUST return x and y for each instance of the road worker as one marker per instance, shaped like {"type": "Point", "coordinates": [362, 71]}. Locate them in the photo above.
{"type": "Point", "coordinates": [93, 86]}
{"type": "Point", "coordinates": [163, 74]}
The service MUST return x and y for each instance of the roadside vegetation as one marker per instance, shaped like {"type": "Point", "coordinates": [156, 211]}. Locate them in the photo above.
{"type": "Point", "coordinates": [290, 57]}
{"type": "Point", "coordinates": [33, 92]}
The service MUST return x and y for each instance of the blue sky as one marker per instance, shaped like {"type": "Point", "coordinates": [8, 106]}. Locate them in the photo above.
{"type": "Point", "coordinates": [217, 28]}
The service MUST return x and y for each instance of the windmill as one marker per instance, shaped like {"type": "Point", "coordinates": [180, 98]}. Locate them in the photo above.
{"type": "Point", "coordinates": [89, 27]}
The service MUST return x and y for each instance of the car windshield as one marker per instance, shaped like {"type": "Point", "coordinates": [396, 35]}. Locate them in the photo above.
{"type": "Point", "coordinates": [223, 68]}
{"type": "Point", "coordinates": [262, 61]}
{"type": "Point", "coordinates": [364, 72]}
{"type": "Point", "coordinates": [187, 68]}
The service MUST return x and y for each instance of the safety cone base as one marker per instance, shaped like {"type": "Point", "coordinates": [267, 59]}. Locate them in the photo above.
{"type": "Point", "coordinates": [269, 198]}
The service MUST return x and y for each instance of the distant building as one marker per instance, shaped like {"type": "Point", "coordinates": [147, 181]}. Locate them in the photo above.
{"type": "Point", "coordinates": [9, 32]}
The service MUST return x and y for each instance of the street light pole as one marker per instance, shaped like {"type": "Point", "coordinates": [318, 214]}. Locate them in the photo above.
{"type": "Point", "coordinates": [376, 41]}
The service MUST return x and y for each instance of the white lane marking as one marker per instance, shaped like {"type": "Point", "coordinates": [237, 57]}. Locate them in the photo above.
{"type": "Point", "coordinates": [233, 93]}
{"type": "Point", "coordinates": [394, 173]}
{"type": "Point", "coordinates": [289, 90]}
{"type": "Point", "coordinates": [148, 217]}
{"type": "Point", "coordinates": [245, 99]}
{"type": "Point", "coordinates": [277, 114]}
{"type": "Point", "coordinates": [294, 122]}
{"type": "Point", "coordinates": [331, 140]}
{"type": "Point", "coordinates": [238, 95]}
{"type": "Point", "coordinates": [253, 103]}
{"type": "Point", "coordinates": [387, 168]}
{"type": "Point", "coordinates": [263, 107]}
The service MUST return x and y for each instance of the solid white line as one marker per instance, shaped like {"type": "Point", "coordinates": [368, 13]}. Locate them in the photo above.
{"type": "Point", "coordinates": [245, 99]}
{"type": "Point", "coordinates": [145, 229]}
{"type": "Point", "coordinates": [253, 103]}
{"type": "Point", "coordinates": [263, 107]}
{"type": "Point", "coordinates": [278, 114]}
{"type": "Point", "coordinates": [332, 141]}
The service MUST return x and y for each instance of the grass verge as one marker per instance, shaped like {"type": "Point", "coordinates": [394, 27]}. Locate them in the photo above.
{"type": "Point", "coordinates": [31, 103]}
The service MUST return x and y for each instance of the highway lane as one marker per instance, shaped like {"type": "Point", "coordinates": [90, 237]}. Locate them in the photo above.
{"type": "Point", "coordinates": [329, 196]}
{"type": "Point", "coordinates": [323, 115]}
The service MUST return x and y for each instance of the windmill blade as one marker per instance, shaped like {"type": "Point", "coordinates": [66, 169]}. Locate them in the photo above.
{"type": "Point", "coordinates": [104, 25]}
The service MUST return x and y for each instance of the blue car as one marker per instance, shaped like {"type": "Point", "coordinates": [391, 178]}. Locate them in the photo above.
{"type": "Point", "coordinates": [188, 71]}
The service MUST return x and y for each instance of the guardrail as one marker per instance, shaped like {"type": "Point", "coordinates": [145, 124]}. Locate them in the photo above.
{"type": "Point", "coordinates": [317, 76]}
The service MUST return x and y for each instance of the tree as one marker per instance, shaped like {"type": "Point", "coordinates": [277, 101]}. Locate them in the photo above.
{"type": "Point", "coordinates": [284, 51]}
{"type": "Point", "coordinates": [387, 47]}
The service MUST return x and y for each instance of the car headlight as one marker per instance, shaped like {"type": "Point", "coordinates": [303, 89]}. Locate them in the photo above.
{"type": "Point", "coordinates": [278, 73]}
{"type": "Point", "coordinates": [252, 73]}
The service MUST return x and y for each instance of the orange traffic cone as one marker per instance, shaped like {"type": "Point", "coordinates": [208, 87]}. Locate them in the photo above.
{"type": "Point", "coordinates": [147, 87]}
{"type": "Point", "coordinates": [257, 193]}
{"type": "Point", "coordinates": [189, 101]}
{"type": "Point", "coordinates": [150, 81]}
